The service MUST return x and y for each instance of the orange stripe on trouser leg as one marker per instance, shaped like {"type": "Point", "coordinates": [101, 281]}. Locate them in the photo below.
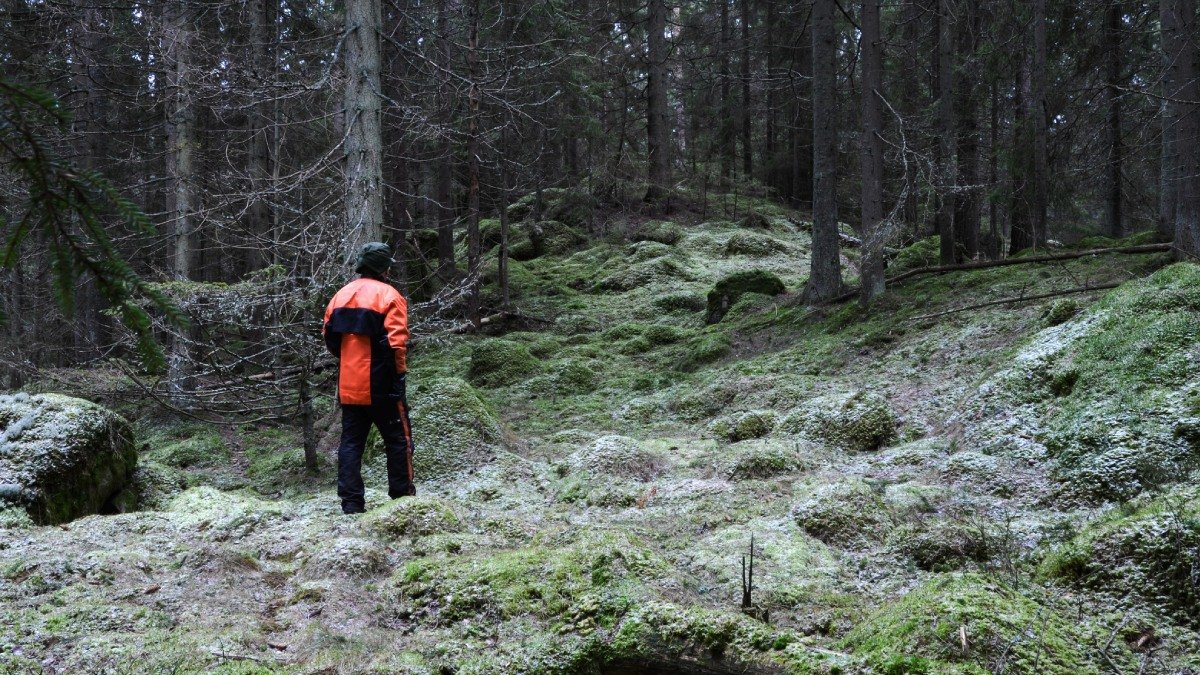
{"type": "Point", "coordinates": [403, 412]}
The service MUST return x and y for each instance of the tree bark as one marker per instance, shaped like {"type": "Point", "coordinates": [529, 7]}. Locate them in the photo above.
{"type": "Point", "coordinates": [725, 123]}
{"type": "Point", "coordinates": [872, 229]}
{"type": "Point", "coordinates": [443, 208]}
{"type": "Point", "coordinates": [825, 276]}
{"type": "Point", "coordinates": [770, 156]}
{"type": "Point", "coordinates": [1182, 50]}
{"type": "Point", "coordinates": [747, 130]}
{"type": "Point", "coordinates": [364, 134]}
{"type": "Point", "coordinates": [947, 174]}
{"type": "Point", "coordinates": [1168, 194]}
{"type": "Point", "coordinates": [473, 243]}
{"type": "Point", "coordinates": [178, 38]}
{"type": "Point", "coordinates": [966, 202]}
{"type": "Point", "coordinates": [259, 122]}
{"type": "Point", "coordinates": [657, 133]}
{"type": "Point", "coordinates": [1113, 216]}
{"type": "Point", "coordinates": [1039, 118]}
{"type": "Point", "coordinates": [1020, 173]}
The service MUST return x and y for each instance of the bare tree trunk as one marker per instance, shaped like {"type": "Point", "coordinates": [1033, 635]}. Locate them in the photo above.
{"type": "Point", "coordinates": [259, 122]}
{"type": "Point", "coordinates": [364, 137]}
{"type": "Point", "coordinates": [1113, 217]}
{"type": "Point", "coordinates": [1183, 53]}
{"type": "Point", "coordinates": [966, 203]}
{"type": "Point", "coordinates": [747, 130]}
{"type": "Point", "coordinates": [1168, 195]}
{"type": "Point", "coordinates": [178, 38]}
{"type": "Point", "coordinates": [89, 124]}
{"type": "Point", "coordinates": [443, 178]}
{"type": "Point", "coordinates": [473, 243]}
{"type": "Point", "coordinates": [872, 228]}
{"type": "Point", "coordinates": [825, 277]}
{"type": "Point", "coordinates": [910, 106]}
{"type": "Point", "coordinates": [770, 156]}
{"type": "Point", "coordinates": [995, 244]}
{"type": "Point", "coordinates": [1038, 117]}
{"type": "Point", "coordinates": [725, 123]}
{"type": "Point", "coordinates": [802, 123]}
{"type": "Point", "coordinates": [396, 208]}
{"type": "Point", "coordinates": [1021, 227]}
{"type": "Point", "coordinates": [947, 174]}
{"type": "Point", "coordinates": [657, 132]}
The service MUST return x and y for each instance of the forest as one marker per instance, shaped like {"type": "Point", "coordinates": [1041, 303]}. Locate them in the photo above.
{"type": "Point", "coordinates": [743, 336]}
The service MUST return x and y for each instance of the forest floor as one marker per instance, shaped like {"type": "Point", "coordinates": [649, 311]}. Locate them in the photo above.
{"type": "Point", "coordinates": [1008, 489]}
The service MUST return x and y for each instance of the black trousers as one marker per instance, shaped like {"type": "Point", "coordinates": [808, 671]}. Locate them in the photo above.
{"type": "Point", "coordinates": [391, 418]}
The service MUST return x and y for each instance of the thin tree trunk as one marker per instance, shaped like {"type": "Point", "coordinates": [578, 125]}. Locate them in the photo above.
{"type": "Point", "coordinates": [802, 123]}
{"type": "Point", "coordinates": [1021, 227]}
{"type": "Point", "coordinates": [1168, 195]}
{"type": "Point", "coordinates": [770, 156]}
{"type": "Point", "coordinates": [657, 132]}
{"type": "Point", "coordinates": [178, 38]}
{"type": "Point", "coordinates": [259, 123]}
{"type": "Point", "coordinates": [1113, 216]}
{"type": "Point", "coordinates": [747, 130]}
{"type": "Point", "coordinates": [1038, 117]}
{"type": "Point", "coordinates": [443, 177]}
{"type": "Point", "coordinates": [966, 203]}
{"type": "Point", "coordinates": [364, 137]}
{"type": "Point", "coordinates": [872, 228]}
{"type": "Point", "coordinates": [473, 243]}
{"type": "Point", "coordinates": [90, 125]}
{"type": "Point", "coordinates": [726, 115]}
{"type": "Point", "coordinates": [825, 277]}
{"type": "Point", "coordinates": [946, 145]}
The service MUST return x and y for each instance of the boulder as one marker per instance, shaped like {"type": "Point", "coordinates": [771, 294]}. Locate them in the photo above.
{"type": "Point", "coordinates": [453, 431]}
{"type": "Point", "coordinates": [497, 363]}
{"type": "Point", "coordinates": [858, 421]}
{"type": "Point", "coordinates": [728, 290]}
{"type": "Point", "coordinates": [62, 457]}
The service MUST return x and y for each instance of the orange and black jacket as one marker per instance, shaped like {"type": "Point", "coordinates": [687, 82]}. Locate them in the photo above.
{"type": "Point", "coordinates": [366, 328]}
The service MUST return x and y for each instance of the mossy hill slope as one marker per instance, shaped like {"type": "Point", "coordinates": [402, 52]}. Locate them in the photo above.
{"type": "Point", "coordinates": [1008, 489]}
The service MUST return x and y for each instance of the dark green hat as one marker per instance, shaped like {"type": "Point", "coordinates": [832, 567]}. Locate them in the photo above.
{"type": "Point", "coordinates": [375, 258]}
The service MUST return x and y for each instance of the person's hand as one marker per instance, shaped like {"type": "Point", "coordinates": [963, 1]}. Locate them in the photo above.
{"type": "Point", "coordinates": [398, 387]}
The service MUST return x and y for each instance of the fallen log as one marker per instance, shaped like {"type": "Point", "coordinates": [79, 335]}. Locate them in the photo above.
{"type": "Point", "coordinates": [1054, 257]}
{"type": "Point", "coordinates": [1024, 298]}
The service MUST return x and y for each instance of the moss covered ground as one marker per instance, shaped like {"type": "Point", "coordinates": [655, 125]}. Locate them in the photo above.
{"type": "Point", "coordinates": [1002, 490]}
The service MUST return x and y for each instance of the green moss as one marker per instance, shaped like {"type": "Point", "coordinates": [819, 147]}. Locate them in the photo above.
{"type": "Point", "coordinates": [155, 485]}
{"type": "Point", "coordinates": [680, 302]}
{"type": "Point", "coordinates": [763, 459]}
{"type": "Point", "coordinates": [574, 377]}
{"type": "Point", "coordinates": [848, 512]}
{"type": "Point", "coordinates": [728, 290]}
{"type": "Point", "coordinates": [939, 545]}
{"type": "Point", "coordinates": [743, 426]}
{"type": "Point", "coordinates": [204, 449]}
{"type": "Point", "coordinates": [1147, 549]}
{"type": "Point", "coordinates": [753, 245]}
{"type": "Point", "coordinates": [453, 430]}
{"type": "Point", "coordinates": [660, 231]}
{"type": "Point", "coordinates": [1060, 311]}
{"type": "Point", "coordinates": [572, 207]}
{"type": "Point", "coordinates": [702, 350]}
{"type": "Point", "coordinates": [496, 362]}
{"type": "Point", "coordinates": [858, 421]}
{"type": "Point", "coordinates": [923, 253]}
{"type": "Point", "coordinates": [923, 632]}
{"type": "Point", "coordinates": [412, 517]}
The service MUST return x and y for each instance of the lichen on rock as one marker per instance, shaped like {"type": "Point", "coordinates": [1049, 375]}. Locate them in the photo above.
{"type": "Point", "coordinates": [62, 457]}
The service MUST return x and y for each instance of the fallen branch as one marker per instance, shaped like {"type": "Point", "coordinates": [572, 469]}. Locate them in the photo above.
{"type": "Point", "coordinates": [497, 318]}
{"type": "Point", "coordinates": [965, 267]}
{"type": "Point", "coordinates": [1024, 298]}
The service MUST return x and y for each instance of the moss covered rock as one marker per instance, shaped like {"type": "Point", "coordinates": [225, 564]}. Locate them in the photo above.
{"type": "Point", "coordinates": [660, 231]}
{"type": "Point", "coordinates": [61, 457]}
{"type": "Point", "coordinates": [497, 363]}
{"type": "Point", "coordinates": [204, 448]}
{"type": "Point", "coordinates": [574, 377]}
{"type": "Point", "coordinates": [453, 431]}
{"type": "Point", "coordinates": [680, 302]}
{"type": "Point", "coordinates": [753, 245]}
{"type": "Point", "coordinates": [942, 545]}
{"type": "Point", "coordinates": [572, 207]}
{"type": "Point", "coordinates": [925, 631]}
{"type": "Point", "coordinates": [1148, 550]}
{"type": "Point", "coordinates": [727, 291]}
{"type": "Point", "coordinates": [615, 456]}
{"type": "Point", "coordinates": [858, 421]}
{"type": "Point", "coordinates": [660, 271]}
{"type": "Point", "coordinates": [849, 512]}
{"type": "Point", "coordinates": [344, 558]}
{"type": "Point", "coordinates": [742, 426]}
{"type": "Point", "coordinates": [922, 253]}
{"type": "Point", "coordinates": [757, 459]}
{"type": "Point", "coordinates": [412, 517]}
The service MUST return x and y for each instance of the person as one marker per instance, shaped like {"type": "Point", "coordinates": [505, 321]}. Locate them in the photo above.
{"type": "Point", "coordinates": [366, 329]}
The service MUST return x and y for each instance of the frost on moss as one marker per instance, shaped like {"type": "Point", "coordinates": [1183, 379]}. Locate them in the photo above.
{"type": "Point", "coordinates": [412, 517]}
{"type": "Point", "coordinates": [659, 231]}
{"type": "Point", "coordinates": [496, 362]}
{"type": "Point", "coordinates": [205, 448]}
{"type": "Point", "coordinates": [1003, 631]}
{"type": "Point", "coordinates": [666, 270]}
{"type": "Point", "coordinates": [615, 456]}
{"type": "Point", "coordinates": [453, 430]}
{"type": "Point", "coordinates": [1147, 549]}
{"type": "Point", "coordinates": [850, 511]}
{"type": "Point", "coordinates": [573, 207]}
{"type": "Point", "coordinates": [857, 421]}
{"type": "Point", "coordinates": [61, 457]}
{"type": "Point", "coordinates": [702, 350]}
{"type": "Point", "coordinates": [343, 557]}
{"type": "Point", "coordinates": [943, 545]}
{"type": "Point", "coordinates": [763, 459]}
{"type": "Point", "coordinates": [574, 377]}
{"type": "Point", "coordinates": [753, 245]}
{"type": "Point", "coordinates": [728, 290]}
{"type": "Point", "coordinates": [155, 485]}
{"type": "Point", "coordinates": [922, 253]}
{"type": "Point", "coordinates": [742, 426]}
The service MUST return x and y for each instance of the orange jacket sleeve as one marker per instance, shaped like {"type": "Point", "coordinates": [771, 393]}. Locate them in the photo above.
{"type": "Point", "coordinates": [395, 321]}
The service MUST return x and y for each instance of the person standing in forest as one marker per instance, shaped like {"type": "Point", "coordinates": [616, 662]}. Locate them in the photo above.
{"type": "Point", "coordinates": [366, 329]}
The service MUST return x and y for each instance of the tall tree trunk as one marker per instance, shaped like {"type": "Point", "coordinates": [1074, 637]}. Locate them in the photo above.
{"type": "Point", "coordinates": [1022, 234]}
{"type": "Point", "coordinates": [966, 203]}
{"type": "Point", "coordinates": [259, 123]}
{"type": "Point", "coordinates": [825, 276]}
{"type": "Point", "coordinates": [1168, 195]}
{"type": "Point", "coordinates": [770, 156]}
{"type": "Point", "coordinates": [443, 178]}
{"type": "Point", "coordinates": [1038, 116]}
{"type": "Point", "coordinates": [802, 122]}
{"type": "Point", "coordinates": [747, 130]}
{"type": "Point", "coordinates": [872, 228]}
{"type": "Point", "coordinates": [995, 243]}
{"type": "Point", "coordinates": [178, 38]}
{"type": "Point", "coordinates": [90, 125]}
{"type": "Point", "coordinates": [364, 133]}
{"type": "Point", "coordinates": [947, 174]}
{"type": "Point", "coordinates": [1183, 51]}
{"type": "Point", "coordinates": [910, 107]}
{"type": "Point", "coordinates": [473, 243]}
{"type": "Point", "coordinates": [725, 123]}
{"type": "Point", "coordinates": [1113, 216]}
{"type": "Point", "coordinates": [396, 208]}
{"type": "Point", "coordinates": [657, 132]}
